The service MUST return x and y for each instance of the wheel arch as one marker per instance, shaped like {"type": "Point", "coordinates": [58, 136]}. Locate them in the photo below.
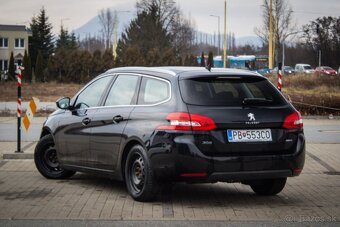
{"type": "Point", "coordinates": [45, 131]}
{"type": "Point", "coordinates": [127, 147]}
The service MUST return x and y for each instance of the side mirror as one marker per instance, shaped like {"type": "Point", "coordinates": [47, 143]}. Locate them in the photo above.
{"type": "Point", "coordinates": [63, 103]}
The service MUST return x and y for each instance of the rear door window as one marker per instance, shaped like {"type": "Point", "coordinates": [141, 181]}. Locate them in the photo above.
{"type": "Point", "coordinates": [219, 91]}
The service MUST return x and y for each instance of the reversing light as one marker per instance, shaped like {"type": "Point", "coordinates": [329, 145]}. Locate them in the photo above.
{"type": "Point", "coordinates": [293, 121]}
{"type": "Point", "coordinates": [184, 122]}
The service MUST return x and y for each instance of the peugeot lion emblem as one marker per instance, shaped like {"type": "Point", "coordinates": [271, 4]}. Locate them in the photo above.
{"type": "Point", "coordinates": [251, 117]}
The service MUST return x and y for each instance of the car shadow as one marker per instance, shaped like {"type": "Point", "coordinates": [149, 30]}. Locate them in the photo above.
{"type": "Point", "coordinates": [195, 195]}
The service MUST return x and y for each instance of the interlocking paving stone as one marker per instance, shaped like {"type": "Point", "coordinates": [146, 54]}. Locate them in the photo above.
{"type": "Point", "coordinates": [313, 196]}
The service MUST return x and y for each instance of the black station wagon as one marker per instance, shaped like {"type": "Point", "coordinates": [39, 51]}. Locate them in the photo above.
{"type": "Point", "coordinates": [152, 126]}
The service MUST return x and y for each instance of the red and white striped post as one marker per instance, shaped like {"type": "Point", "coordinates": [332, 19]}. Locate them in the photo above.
{"type": "Point", "coordinates": [19, 109]}
{"type": "Point", "coordinates": [279, 77]}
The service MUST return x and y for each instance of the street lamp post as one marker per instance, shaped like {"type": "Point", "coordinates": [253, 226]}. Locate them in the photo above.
{"type": "Point", "coordinates": [61, 21]}
{"type": "Point", "coordinates": [218, 20]}
{"type": "Point", "coordinates": [283, 47]}
{"type": "Point", "coordinates": [270, 39]}
{"type": "Point", "coordinates": [225, 36]}
{"type": "Point", "coordinates": [115, 28]}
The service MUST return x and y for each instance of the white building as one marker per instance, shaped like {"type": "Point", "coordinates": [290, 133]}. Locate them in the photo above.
{"type": "Point", "coordinates": [13, 38]}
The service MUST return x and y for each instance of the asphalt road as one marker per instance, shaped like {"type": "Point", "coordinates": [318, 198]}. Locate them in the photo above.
{"type": "Point", "coordinates": [316, 130]}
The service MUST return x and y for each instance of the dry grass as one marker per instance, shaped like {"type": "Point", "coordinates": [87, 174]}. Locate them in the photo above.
{"type": "Point", "coordinates": [45, 92]}
{"type": "Point", "coordinates": [302, 90]}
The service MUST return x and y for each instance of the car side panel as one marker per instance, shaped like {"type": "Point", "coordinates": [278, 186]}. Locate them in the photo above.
{"type": "Point", "coordinates": [106, 136]}
{"type": "Point", "coordinates": [72, 137]}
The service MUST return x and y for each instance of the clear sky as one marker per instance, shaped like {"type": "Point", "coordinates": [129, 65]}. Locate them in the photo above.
{"type": "Point", "coordinates": [243, 15]}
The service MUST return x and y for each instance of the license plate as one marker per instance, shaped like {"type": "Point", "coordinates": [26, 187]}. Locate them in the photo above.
{"type": "Point", "coordinates": [249, 135]}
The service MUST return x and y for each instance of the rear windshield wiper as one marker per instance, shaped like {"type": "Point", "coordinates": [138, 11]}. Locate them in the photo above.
{"type": "Point", "coordinates": [254, 101]}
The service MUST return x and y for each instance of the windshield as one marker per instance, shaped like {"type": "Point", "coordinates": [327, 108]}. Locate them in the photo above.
{"type": "Point", "coordinates": [307, 67]}
{"type": "Point", "coordinates": [217, 91]}
{"type": "Point", "coordinates": [327, 68]}
{"type": "Point", "coordinates": [288, 68]}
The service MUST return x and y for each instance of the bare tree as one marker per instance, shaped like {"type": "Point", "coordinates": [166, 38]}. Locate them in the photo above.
{"type": "Point", "coordinates": [282, 23]}
{"type": "Point", "coordinates": [167, 10]}
{"type": "Point", "coordinates": [182, 36]}
{"type": "Point", "coordinates": [170, 17]}
{"type": "Point", "coordinates": [106, 18]}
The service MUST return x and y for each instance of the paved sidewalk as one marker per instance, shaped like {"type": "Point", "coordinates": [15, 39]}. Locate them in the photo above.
{"type": "Point", "coordinates": [8, 150]}
{"type": "Point", "coordinates": [313, 197]}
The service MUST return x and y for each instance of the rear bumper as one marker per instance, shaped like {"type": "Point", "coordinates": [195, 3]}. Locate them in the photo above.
{"type": "Point", "coordinates": [249, 175]}
{"type": "Point", "coordinates": [180, 160]}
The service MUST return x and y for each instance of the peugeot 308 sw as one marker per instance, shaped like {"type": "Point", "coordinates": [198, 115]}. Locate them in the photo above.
{"type": "Point", "coordinates": [152, 126]}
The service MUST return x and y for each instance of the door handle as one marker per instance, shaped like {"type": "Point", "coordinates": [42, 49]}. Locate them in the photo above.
{"type": "Point", "coordinates": [86, 121]}
{"type": "Point", "coordinates": [117, 119]}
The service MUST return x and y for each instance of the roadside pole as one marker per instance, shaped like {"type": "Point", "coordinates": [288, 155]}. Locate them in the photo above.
{"type": "Point", "coordinates": [279, 77]}
{"type": "Point", "coordinates": [19, 110]}
{"type": "Point", "coordinates": [225, 58]}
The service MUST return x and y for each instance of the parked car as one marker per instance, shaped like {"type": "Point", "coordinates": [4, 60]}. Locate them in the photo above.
{"type": "Point", "coordinates": [325, 70]}
{"type": "Point", "coordinates": [287, 70]}
{"type": "Point", "coordinates": [152, 126]}
{"type": "Point", "coordinates": [304, 68]}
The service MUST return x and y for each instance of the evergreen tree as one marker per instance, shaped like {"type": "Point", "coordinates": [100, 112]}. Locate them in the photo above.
{"type": "Point", "coordinates": [66, 40]}
{"type": "Point", "coordinates": [193, 60]}
{"type": "Point", "coordinates": [153, 57]}
{"type": "Point", "coordinates": [145, 35]}
{"type": "Point", "coordinates": [107, 60]}
{"type": "Point", "coordinates": [179, 61]}
{"type": "Point", "coordinates": [51, 63]}
{"type": "Point", "coordinates": [11, 67]}
{"type": "Point", "coordinates": [202, 60]}
{"type": "Point", "coordinates": [39, 68]}
{"type": "Point", "coordinates": [42, 38]}
{"type": "Point", "coordinates": [27, 73]}
{"type": "Point", "coordinates": [63, 39]}
{"type": "Point", "coordinates": [210, 62]}
{"type": "Point", "coordinates": [60, 63]}
{"type": "Point", "coordinates": [73, 67]}
{"type": "Point", "coordinates": [96, 66]}
{"type": "Point", "coordinates": [86, 59]}
{"type": "Point", "coordinates": [169, 57]}
{"type": "Point", "coordinates": [187, 60]}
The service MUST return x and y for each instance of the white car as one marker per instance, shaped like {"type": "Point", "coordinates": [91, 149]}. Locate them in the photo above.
{"type": "Point", "coordinates": [304, 68]}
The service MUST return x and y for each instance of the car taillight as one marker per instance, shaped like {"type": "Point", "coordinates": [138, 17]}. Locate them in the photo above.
{"type": "Point", "coordinates": [293, 120]}
{"type": "Point", "coordinates": [185, 121]}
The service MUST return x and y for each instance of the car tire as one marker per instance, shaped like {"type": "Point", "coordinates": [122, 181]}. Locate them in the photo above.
{"type": "Point", "coordinates": [46, 160]}
{"type": "Point", "coordinates": [139, 177]}
{"type": "Point", "coordinates": [268, 186]}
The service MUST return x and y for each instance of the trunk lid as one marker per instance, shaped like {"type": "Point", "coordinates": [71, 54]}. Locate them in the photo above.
{"type": "Point", "coordinates": [243, 105]}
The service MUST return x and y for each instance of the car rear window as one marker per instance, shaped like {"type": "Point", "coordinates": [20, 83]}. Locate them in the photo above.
{"type": "Point", "coordinates": [153, 91]}
{"type": "Point", "coordinates": [224, 91]}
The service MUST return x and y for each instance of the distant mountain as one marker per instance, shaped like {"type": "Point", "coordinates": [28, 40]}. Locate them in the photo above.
{"type": "Point", "coordinates": [93, 27]}
{"type": "Point", "coordinates": [248, 40]}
